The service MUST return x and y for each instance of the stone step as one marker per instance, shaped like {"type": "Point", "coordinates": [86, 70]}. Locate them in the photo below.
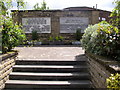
{"type": "Point", "coordinates": [49, 68]}
{"type": "Point", "coordinates": [26, 84]}
{"type": "Point", "coordinates": [48, 76]}
{"type": "Point", "coordinates": [50, 62]}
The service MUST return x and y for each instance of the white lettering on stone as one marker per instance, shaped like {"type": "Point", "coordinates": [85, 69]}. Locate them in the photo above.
{"type": "Point", "coordinates": [41, 25]}
{"type": "Point", "coordinates": [71, 24]}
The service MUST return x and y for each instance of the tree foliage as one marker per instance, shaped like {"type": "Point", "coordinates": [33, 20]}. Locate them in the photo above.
{"type": "Point", "coordinates": [20, 4]}
{"type": "Point", "coordinates": [43, 6]}
{"type": "Point", "coordinates": [8, 4]}
{"type": "Point", "coordinates": [116, 14]}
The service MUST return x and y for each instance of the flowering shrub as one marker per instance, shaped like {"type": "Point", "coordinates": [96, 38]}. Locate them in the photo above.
{"type": "Point", "coordinates": [113, 82]}
{"type": "Point", "coordinates": [102, 39]}
{"type": "Point", "coordinates": [12, 34]}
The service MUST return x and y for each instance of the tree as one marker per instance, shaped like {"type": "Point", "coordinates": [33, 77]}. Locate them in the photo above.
{"type": "Point", "coordinates": [2, 8]}
{"type": "Point", "coordinates": [20, 4]}
{"type": "Point", "coordinates": [36, 6]}
{"type": "Point", "coordinates": [116, 14]}
{"type": "Point", "coordinates": [6, 5]}
{"type": "Point", "coordinates": [43, 6]}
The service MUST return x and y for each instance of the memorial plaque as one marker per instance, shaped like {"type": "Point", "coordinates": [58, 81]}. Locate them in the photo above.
{"type": "Point", "coordinates": [71, 24]}
{"type": "Point", "coordinates": [41, 25]}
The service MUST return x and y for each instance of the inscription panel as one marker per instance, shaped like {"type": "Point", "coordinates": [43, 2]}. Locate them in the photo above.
{"type": "Point", "coordinates": [71, 24]}
{"type": "Point", "coordinates": [41, 25]}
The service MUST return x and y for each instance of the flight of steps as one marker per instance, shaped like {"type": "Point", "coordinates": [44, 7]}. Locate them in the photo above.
{"type": "Point", "coordinates": [49, 75]}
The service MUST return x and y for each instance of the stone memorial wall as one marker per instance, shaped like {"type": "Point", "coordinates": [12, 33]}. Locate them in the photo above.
{"type": "Point", "coordinates": [55, 22]}
{"type": "Point", "coordinates": [71, 24]}
{"type": "Point", "coordinates": [41, 25]}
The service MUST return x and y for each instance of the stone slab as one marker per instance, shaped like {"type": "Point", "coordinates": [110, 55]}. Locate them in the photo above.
{"type": "Point", "coordinates": [50, 52]}
{"type": "Point", "coordinates": [41, 25]}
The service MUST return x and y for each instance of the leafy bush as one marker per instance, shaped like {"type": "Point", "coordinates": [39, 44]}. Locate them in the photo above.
{"type": "Point", "coordinates": [113, 82]}
{"type": "Point", "coordinates": [61, 38]}
{"type": "Point", "coordinates": [57, 38]}
{"type": "Point", "coordinates": [78, 34]}
{"type": "Point", "coordinates": [35, 35]}
{"type": "Point", "coordinates": [51, 39]}
{"type": "Point", "coordinates": [102, 39]}
{"type": "Point", "coordinates": [12, 34]}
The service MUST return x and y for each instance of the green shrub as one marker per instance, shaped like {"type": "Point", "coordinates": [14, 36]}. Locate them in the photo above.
{"type": "Point", "coordinates": [113, 82]}
{"type": "Point", "coordinates": [102, 39]}
{"type": "Point", "coordinates": [35, 35]}
{"type": "Point", "coordinates": [78, 34]}
{"type": "Point", "coordinates": [51, 39]}
{"type": "Point", "coordinates": [61, 38]}
{"type": "Point", "coordinates": [57, 38]}
{"type": "Point", "coordinates": [86, 38]}
{"type": "Point", "coordinates": [12, 35]}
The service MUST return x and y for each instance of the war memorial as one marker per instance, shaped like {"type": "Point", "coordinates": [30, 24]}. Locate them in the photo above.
{"type": "Point", "coordinates": [59, 22]}
{"type": "Point", "coordinates": [59, 67]}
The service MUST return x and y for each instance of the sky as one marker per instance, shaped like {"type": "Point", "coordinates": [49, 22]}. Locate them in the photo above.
{"type": "Point", "coordinates": [60, 4]}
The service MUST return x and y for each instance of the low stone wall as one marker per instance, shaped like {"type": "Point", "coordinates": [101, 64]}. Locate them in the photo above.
{"type": "Point", "coordinates": [7, 61]}
{"type": "Point", "coordinates": [101, 68]}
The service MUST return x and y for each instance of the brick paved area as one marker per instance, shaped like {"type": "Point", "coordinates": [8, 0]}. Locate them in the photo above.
{"type": "Point", "coordinates": [49, 52]}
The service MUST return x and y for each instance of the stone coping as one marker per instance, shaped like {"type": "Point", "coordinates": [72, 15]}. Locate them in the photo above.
{"type": "Point", "coordinates": [8, 55]}
{"type": "Point", "coordinates": [110, 64]}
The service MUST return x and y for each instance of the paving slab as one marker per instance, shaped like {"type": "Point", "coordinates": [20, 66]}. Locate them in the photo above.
{"type": "Point", "coordinates": [50, 52]}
